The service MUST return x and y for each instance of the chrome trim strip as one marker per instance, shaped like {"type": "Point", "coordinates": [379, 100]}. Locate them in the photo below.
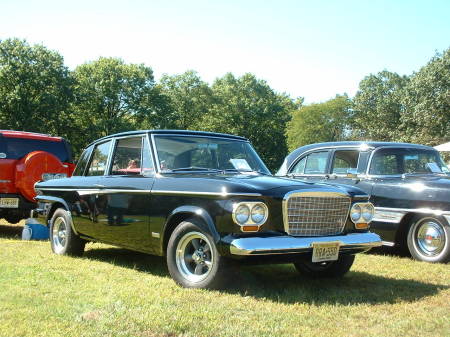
{"type": "Point", "coordinates": [388, 243]}
{"type": "Point", "coordinates": [157, 192]}
{"type": "Point", "coordinates": [219, 194]}
{"type": "Point", "coordinates": [309, 193]}
{"type": "Point", "coordinates": [395, 215]}
{"type": "Point", "coordinates": [292, 245]}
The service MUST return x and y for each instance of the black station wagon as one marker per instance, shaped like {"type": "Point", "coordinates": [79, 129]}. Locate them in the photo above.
{"type": "Point", "coordinates": [409, 186]}
{"type": "Point", "coordinates": [202, 199]}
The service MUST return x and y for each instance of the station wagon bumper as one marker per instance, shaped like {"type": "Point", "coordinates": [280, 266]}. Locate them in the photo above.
{"type": "Point", "coordinates": [272, 245]}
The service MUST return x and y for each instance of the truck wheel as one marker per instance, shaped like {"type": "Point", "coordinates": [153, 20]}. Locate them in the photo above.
{"type": "Point", "coordinates": [428, 239]}
{"type": "Point", "coordinates": [64, 241]}
{"type": "Point", "coordinates": [326, 269]}
{"type": "Point", "coordinates": [192, 257]}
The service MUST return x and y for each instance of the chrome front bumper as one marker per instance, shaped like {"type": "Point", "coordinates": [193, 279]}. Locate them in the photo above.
{"type": "Point", "coordinates": [357, 242]}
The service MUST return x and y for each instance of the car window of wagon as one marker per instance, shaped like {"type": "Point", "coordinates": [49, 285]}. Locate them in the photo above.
{"type": "Point", "coordinates": [406, 161]}
{"type": "Point", "coordinates": [206, 153]}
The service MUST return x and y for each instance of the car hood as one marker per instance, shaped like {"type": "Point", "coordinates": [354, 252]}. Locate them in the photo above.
{"type": "Point", "coordinates": [242, 183]}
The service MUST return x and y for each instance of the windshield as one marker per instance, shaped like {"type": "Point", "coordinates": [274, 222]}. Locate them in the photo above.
{"type": "Point", "coordinates": [406, 161]}
{"type": "Point", "coordinates": [177, 153]}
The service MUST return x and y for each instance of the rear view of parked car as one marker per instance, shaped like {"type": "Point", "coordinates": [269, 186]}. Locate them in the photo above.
{"type": "Point", "coordinates": [201, 200]}
{"type": "Point", "coordinates": [409, 186]}
{"type": "Point", "coordinates": [26, 158]}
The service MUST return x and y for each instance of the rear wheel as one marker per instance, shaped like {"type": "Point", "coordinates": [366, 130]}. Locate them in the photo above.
{"type": "Point", "coordinates": [428, 239]}
{"type": "Point", "coordinates": [192, 257]}
{"type": "Point", "coordinates": [326, 269]}
{"type": "Point", "coordinates": [64, 241]}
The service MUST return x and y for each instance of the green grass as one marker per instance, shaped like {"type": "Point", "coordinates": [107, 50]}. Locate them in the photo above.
{"type": "Point", "coordinates": [115, 292]}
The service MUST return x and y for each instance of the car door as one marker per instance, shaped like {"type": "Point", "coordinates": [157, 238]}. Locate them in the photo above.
{"type": "Point", "coordinates": [123, 200]}
{"type": "Point", "coordinates": [312, 167]}
{"type": "Point", "coordinates": [350, 160]}
{"type": "Point", "coordinates": [85, 182]}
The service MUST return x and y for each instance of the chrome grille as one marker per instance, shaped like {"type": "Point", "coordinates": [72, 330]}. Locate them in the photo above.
{"type": "Point", "coordinates": [316, 214]}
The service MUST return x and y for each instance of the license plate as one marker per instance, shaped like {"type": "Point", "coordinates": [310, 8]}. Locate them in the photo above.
{"type": "Point", "coordinates": [9, 202]}
{"type": "Point", "coordinates": [325, 251]}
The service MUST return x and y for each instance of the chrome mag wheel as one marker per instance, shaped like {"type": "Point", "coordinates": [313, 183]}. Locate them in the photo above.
{"type": "Point", "coordinates": [194, 257]}
{"type": "Point", "coordinates": [59, 234]}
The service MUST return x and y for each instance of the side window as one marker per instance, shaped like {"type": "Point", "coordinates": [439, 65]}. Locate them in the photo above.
{"type": "Point", "coordinates": [316, 163]}
{"type": "Point", "coordinates": [345, 160]}
{"type": "Point", "coordinates": [82, 162]}
{"type": "Point", "coordinates": [127, 156]}
{"type": "Point", "coordinates": [299, 167]}
{"type": "Point", "coordinates": [99, 159]}
{"type": "Point", "coordinates": [384, 164]}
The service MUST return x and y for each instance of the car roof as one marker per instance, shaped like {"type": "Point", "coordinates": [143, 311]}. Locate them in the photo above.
{"type": "Point", "coordinates": [370, 144]}
{"type": "Point", "coordinates": [172, 132]}
{"type": "Point", "coordinates": [28, 135]}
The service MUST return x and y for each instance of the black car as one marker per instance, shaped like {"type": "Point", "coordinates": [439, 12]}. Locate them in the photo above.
{"type": "Point", "coordinates": [202, 199]}
{"type": "Point", "coordinates": [409, 186]}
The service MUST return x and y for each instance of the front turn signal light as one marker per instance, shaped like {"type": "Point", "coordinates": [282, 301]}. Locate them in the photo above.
{"type": "Point", "coordinates": [361, 225]}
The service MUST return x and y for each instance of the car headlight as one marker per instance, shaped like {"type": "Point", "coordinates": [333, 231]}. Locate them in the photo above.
{"type": "Point", "coordinates": [367, 212]}
{"type": "Point", "coordinates": [242, 214]}
{"type": "Point", "coordinates": [362, 213]}
{"type": "Point", "coordinates": [250, 215]}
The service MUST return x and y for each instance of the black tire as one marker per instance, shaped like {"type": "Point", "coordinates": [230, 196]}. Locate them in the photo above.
{"type": "Point", "coordinates": [326, 269]}
{"type": "Point", "coordinates": [429, 239]}
{"type": "Point", "coordinates": [63, 239]}
{"type": "Point", "coordinates": [192, 257]}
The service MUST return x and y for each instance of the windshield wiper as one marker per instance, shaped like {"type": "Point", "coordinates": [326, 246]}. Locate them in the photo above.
{"type": "Point", "coordinates": [246, 171]}
{"type": "Point", "coordinates": [193, 168]}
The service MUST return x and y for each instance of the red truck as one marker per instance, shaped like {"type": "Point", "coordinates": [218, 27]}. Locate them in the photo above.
{"type": "Point", "coordinates": [26, 158]}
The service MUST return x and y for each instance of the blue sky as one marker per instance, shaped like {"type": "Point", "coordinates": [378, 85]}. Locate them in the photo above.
{"type": "Point", "coordinates": [312, 49]}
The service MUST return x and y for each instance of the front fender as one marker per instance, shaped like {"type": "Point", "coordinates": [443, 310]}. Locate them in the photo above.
{"type": "Point", "coordinates": [193, 211]}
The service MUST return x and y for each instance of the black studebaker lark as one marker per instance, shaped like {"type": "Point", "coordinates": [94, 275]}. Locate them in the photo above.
{"type": "Point", "coordinates": [202, 199]}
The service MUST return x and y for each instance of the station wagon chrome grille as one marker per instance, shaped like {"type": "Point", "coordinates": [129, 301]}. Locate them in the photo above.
{"type": "Point", "coordinates": [315, 213]}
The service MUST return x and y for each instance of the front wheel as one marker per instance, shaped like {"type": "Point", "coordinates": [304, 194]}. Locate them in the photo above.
{"type": "Point", "coordinates": [428, 239]}
{"type": "Point", "coordinates": [64, 241]}
{"type": "Point", "coordinates": [192, 257]}
{"type": "Point", "coordinates": [325, 269]}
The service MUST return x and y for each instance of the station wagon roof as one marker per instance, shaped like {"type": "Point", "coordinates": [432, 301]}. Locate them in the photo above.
{"type": "Point", "coordinates": [371, 144]}
{"type": "Point", "coordinates": [173, 132]}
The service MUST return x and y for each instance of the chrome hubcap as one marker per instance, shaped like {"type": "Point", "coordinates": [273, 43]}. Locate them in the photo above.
{"type": "Point", "coordinates": [430, 238]}
{"type": "Point", "coordinates": [194, 257]}
{"type": "Point", "coordinates": [59, 234]}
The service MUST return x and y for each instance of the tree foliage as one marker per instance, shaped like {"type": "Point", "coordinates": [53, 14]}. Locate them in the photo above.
{"type": "Point", "coordinates": [189, 99]}
{"type": "Point", "coordinates": [378, 106]}
{"type": "Point", "coordinates": [320, 122]}
{"type": "Point", "coordinates": [426, 118]}
{"type": "Point", "coordinates": [111, 96]}
{"type": "Point", "coordinates": [248, 107]}
{"type": "Point", "coordinates": [35, 88]}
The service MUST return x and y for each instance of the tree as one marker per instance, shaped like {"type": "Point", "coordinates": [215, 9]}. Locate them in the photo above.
{"type": "Point", "coordinates": [426, 119]}
{"type": "Point", "coordinates": [35, 89]}
{"type": "Point", "coordinates": [189, 98]}
{"type": "Point", "coordinates": [248, 107]}
{"type": "Point", "coordinates": [111, 96]}
{"type": "Point", "coordinates": [320, 122]}
{"type": "Point", "coordinates": [378, 106]}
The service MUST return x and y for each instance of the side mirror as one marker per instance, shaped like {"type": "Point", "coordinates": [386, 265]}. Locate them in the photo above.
{"type": "Point", "coordinates": [352, 173]}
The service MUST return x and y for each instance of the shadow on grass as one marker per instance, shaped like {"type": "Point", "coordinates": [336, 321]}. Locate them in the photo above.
{"type": "Point", "coordinates": [11, 231]}
{"type": "Point", "coordinates": [282, 283]}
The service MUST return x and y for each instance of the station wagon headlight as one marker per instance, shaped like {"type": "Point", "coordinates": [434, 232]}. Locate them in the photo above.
{"type": "Point", "coordinates": [250, 215]}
